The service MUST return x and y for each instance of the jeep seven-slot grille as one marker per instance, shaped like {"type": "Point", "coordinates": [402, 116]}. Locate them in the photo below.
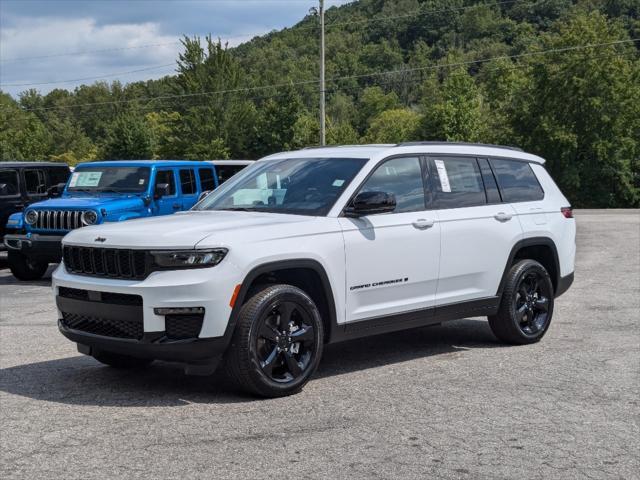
{"type": "Point", "coordinates": [105, 327]}
{"type": "Point", "coordinates": [106, 262]}
{"type": "Point", "coordinates": [59, 219]}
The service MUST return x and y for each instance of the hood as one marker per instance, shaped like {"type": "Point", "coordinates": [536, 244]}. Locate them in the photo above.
{"type": "Point", "coordinates": [202, 228]}
{"type": "Point", "coordinates": [110, 203]}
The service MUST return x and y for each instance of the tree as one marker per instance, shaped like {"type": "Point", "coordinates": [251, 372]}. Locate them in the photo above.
{"type": "Point", "coordinates": [394, 126]}
{"type": "Point", "coordinates": [22, 134]}
{"type": "Point", "coordinates": [128, 138]}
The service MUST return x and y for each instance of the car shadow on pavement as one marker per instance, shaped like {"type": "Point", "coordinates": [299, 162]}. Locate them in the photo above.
{"type": "Point", "coordinates": [80, 380]}
{"type": "Point", "coordinates": [7, 279]}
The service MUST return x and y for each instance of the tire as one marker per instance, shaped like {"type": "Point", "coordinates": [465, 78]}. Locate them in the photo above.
{"type": "Point", "coordinates": [24, 268]}
{"type": "Point", "coordinates": [526, 307]}
{"type": "Point", "coordinates": [264, 357]}
{"type": "Point", "coordinates": [116, 360]}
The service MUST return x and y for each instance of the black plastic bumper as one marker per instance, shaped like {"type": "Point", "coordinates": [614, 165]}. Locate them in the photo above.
{"type": "Point", "coordinates": [46, 248]}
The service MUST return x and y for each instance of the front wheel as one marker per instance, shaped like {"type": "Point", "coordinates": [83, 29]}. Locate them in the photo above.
{"type": "Point", "coordinates": [526, 307]}
{"type": "Point", "coordinates": [277, 343]}
{"type": "Point", "coordinates": [25, 268]}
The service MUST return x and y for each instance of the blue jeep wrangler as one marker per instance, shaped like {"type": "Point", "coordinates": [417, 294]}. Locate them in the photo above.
{"type": "Point", "coordinates": [100, 192]}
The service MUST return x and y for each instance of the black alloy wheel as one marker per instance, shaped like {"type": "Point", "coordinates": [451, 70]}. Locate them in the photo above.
{"type": "Point", "coordinates": [526, 306]}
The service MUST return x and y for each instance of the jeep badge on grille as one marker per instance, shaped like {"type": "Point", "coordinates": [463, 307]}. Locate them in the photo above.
{"type": "Point", "coordinates": [100, 239]}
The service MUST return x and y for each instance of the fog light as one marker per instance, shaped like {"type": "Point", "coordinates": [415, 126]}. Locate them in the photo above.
{"type": "Point", "coordinates": [179, 311]}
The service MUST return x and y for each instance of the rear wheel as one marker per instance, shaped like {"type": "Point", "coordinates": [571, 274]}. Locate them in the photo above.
{"type": "Point", "coordinates": [25, 268]}
{"type": "Point", "coordinates": [277, 343]}
{"type": "Point", "coordinates": [526, 307]}
{"type": "Point", "coordinates": [120, 361]}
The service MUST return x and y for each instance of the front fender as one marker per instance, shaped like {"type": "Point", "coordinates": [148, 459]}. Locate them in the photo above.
{"type": "Point", "coordinates": [127, 216]}
{"type": "Point", "coordinates": [15, 221]}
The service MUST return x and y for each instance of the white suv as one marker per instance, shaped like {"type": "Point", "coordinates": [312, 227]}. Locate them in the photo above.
{"type": "Point", "coordinates": [318, 246]}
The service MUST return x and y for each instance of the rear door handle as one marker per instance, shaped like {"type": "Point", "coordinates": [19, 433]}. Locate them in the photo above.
{"type": "Point", "coordinates": [502, 217]}
{"type": "Point", "coordinates": [423, 224]}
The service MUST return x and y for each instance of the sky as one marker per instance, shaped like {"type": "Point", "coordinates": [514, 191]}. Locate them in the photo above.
{"type": "Point", "coordinates": [126, 40]}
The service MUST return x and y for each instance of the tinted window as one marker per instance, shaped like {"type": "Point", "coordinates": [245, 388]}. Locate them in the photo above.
{"type": "Point", "coordinates": [58, 175]}
{"type": "Point", "coordinates": [207, 182]}
{"type": "Point", "coordinates": [166, 176]}
{"type": "Point", "coordinates": [225, 172]}
{"type": "Point", "coordinates": [109, 179]}
{"type": "Point", "coordinates": [9, 183]}
{"type": "Point", "coordinates": [457, 182]}
{"type": "Point", "coordinates": [517, 181]}
{"type": "Point", "coordinates": [187, 182]}
{"type": "Point", "coordinates": [490, 185]}
{"type": "Point", "coordinates": [403, 178]}
{"type": "Point", "coordinates": [35, 183]}
{"type": "Point", "coordinates": [304, 186]}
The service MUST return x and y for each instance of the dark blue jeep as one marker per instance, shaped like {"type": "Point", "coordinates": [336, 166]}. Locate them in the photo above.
{"type": "Point", "coordinates": [100, 192]}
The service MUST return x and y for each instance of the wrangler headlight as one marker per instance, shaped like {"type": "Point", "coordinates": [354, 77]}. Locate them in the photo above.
{"type": "Point", "coordinates": [188, 258]}
{"type": "Point", "coordinates": [31, 217]}
{"type": "Point", "coordinates": [89, 217]}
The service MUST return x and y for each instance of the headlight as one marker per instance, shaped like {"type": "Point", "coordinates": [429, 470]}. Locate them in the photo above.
{"type": "Point", "coordinates": [89, 217]}
{"type": "Point", "coordinates": [31, 217]}
{"type": "Point", "coordinates": [188, 258]}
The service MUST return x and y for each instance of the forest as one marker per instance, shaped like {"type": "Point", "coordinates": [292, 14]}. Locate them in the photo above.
{"type": "Point", "coordinates": [558, 78]}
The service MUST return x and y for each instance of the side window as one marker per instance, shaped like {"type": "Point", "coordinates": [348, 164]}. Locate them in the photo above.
{"type": "Point", "coordinates": [207, 182]}
{"type": "Point", "coordinates": [457, 182]}
{"type": "Point", "coordinates": [35, 182]}
{"type": "Point", "coordinates": [403, 178]}
{"type": "Point", "coordinates": [517, 181]}
{"type": "Point", "coordinates": [187, 182]}
{"type": "Point", "coordinates": [490, 185]}
{"type": "Point", "coordinates": [167, 176]}
{"type": "Point", "coordinates": [225, 172]}
{"type": "Point", "coordinates": [58, 175]}
{"type": "Point", "coordinates": [9, 183]}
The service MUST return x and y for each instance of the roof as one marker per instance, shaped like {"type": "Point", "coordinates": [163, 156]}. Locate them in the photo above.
{"type": "Point", "coordinates": [143, 163]}
{"type": "Point", "coordinates": [231, 162]}
{"type": "Point", "coordinates": [383, 150]}
{"type": "Point", "coordinates": [31, 164]}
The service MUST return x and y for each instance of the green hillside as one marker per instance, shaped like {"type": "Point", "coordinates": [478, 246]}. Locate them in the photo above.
{"type": "Point", "coordinates": [556, 77]}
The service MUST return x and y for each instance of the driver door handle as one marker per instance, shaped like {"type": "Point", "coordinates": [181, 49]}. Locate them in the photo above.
{"type": "Point", "coordinates": [502, 217]}
{"type": "Point", "coordinates": [423, 224]}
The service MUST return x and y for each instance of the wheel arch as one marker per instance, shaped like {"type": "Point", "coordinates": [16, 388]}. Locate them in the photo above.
{"type": "Point", "coordinates": [307, 274]}
{"type": "Point", "coordinates": [541, 249]}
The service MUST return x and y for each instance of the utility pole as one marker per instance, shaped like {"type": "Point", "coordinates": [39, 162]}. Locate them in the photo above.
{"type": "Point", "coordinates": [322, 100]}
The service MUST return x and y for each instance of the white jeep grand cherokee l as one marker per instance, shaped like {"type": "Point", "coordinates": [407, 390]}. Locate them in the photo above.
{"type": "Point", "coordinates": [319, 246]}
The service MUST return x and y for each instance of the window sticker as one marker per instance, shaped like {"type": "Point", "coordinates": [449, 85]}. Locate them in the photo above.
{"type": "Point", "coordinates": [442, 175]}
{"type": "Point", "coordinates": [85, 179]}
{"type": "Point", "coordinates": [338, 183]}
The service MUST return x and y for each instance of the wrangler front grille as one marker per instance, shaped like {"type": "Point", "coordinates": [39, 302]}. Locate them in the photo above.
{"type": "Point", "coordinates": [106, 262]}
{"type": "Point", "coordinates": [59, 219]}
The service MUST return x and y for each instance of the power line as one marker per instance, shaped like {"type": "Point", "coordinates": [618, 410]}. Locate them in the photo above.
{"type": "Point", "coordinates": [155, 67]}
{"type": "Point", "coordinates": [346, 77]}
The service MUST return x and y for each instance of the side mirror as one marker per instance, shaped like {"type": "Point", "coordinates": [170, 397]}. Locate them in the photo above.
{"type": "Point", "coordinates": [161, 190]}
{"type": "Point", "coordinates": [370, 203]}
{"type": "Point", "coordinates": [56, 190]}
{"type": "Point", "coordinates": [204, 194]}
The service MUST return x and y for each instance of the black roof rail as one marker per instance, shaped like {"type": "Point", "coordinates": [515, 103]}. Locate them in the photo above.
{"type": "Point", "coordinates": [465, 144]}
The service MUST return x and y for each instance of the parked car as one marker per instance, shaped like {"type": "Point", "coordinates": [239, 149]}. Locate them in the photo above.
{"type": "Point", "coordinates": [322, 245]}
{"type": "Point", "coordinates": [100, 192]}
{"type": "Point", "coordinates": [23, 183]}
{"type": "Point", "coordinates": [228, 168]}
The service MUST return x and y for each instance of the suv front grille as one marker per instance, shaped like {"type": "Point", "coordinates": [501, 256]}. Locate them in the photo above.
{"type": "Point", "coordinates": [103, 297]}
{"type": "Point", "coordinates": [106, 262]}
{"type": "Point", "coordinates": [58, 219]}
{"type": "Point", "coordinates": [104, 327]}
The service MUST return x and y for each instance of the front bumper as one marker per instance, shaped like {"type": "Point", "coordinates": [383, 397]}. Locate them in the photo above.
{"type": "Point", "coordinates": [45, 248]}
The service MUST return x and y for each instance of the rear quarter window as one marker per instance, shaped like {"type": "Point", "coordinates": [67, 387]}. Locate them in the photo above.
{"type": "Point", "coordinates": [516, 181]}
{"type": "Point", "coordinates": [9, 183]}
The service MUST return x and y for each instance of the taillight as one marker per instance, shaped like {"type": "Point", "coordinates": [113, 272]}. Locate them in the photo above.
{"type": "Point", "coordinates": [567, 212]}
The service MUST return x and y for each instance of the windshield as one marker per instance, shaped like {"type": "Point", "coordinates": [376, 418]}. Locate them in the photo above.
{"type": "Point", "coordinates": [304, 186]}
{"type": "Point", "coordinates": [109, 179]}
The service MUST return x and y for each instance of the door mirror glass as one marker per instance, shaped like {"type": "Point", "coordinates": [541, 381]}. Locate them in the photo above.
{"type": "Point", "coordinates": [370, 203]}
{"type": "Point", "coordinates": [162, 190]}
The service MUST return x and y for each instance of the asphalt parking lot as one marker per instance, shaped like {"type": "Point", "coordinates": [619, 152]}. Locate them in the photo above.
{"type": "Point", "coordinates": [439, 402]}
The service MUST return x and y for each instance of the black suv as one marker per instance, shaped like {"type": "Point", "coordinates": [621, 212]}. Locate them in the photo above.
{"type": "Point", "coordinates": [23, 183]}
